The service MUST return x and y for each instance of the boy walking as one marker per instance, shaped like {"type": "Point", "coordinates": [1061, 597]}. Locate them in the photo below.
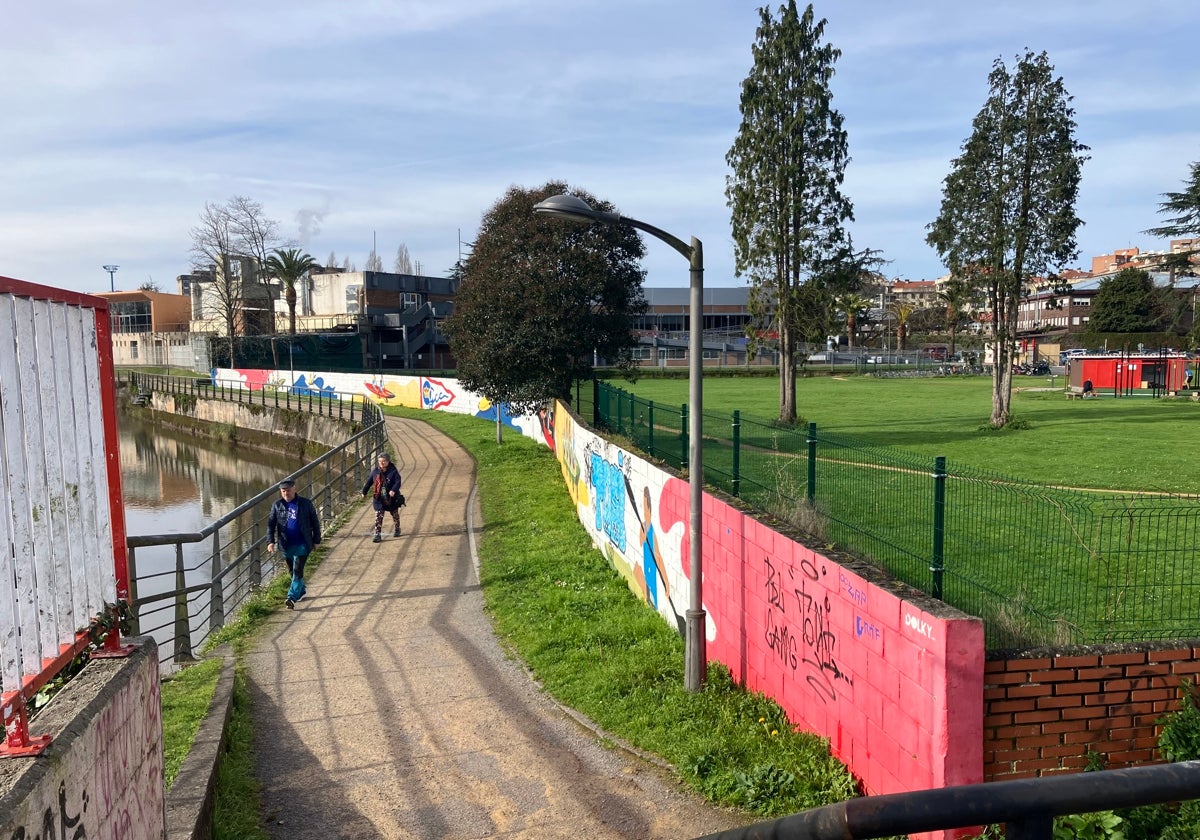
{"type": "Point", "coordinates": [294, 527]}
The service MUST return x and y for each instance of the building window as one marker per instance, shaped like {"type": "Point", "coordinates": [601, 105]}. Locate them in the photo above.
{"type": "Point", "coordinates": [130, 316]}
{"type": "Point", "coordinates": [133, 350]}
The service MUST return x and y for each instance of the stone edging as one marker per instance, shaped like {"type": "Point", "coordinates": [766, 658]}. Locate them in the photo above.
{"type": "Point", "coordinates": [190, 800]}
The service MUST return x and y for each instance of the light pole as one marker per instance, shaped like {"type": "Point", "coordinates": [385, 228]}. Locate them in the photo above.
{"type": "Point", "coordinates": [112, 283]}
{"type": "Point", "coordinates": [576, 209]}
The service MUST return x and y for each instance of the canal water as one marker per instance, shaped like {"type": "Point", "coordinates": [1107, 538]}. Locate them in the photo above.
{"type": "Point", "coordinates": [174, 483]}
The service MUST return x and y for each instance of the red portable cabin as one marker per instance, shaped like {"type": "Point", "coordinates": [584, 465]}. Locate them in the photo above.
{"type": "Point", "coordinates": [1131, 371]}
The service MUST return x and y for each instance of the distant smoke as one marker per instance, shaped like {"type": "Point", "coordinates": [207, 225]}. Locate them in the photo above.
{"type": "Point", "coordinates": [309, 222]}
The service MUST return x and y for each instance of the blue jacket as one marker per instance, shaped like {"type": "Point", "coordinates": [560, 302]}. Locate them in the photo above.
{"type": "Point", "coordinates": [306, 514]}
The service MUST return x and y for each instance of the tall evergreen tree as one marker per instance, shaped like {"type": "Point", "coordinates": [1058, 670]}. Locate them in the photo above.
{"type": "Point", "coordinates": [1126, 302]}
{"type": "Point", "coordinates": [1183, 206]}
{"type": "Point", "coordinates": [784, 193]}
{"type": "Point", "coordinates": [1008, 204]}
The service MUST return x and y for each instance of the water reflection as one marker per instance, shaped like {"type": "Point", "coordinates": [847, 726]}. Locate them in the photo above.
{"type": "Point", "coordinates": [178, 483]}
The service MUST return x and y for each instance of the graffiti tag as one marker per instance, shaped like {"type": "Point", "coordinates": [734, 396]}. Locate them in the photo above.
{"type": "Point", "coordinates": [813, 643]}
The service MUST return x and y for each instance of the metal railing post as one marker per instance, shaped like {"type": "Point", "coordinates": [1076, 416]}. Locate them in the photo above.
{"type": "Point", "coordinates": [217, 590]}
{"type": "Point", "coordinates": [595, 403]}
{"type": "Point", "coordinates": [135, 627]}
{"type": "Point", "coordinates": [256, 557]}
{"type": "Point", "coordinates": [937, 564]}
{"type": "Point", "coordinates": [737, 453]}
{"type": "Point", "coordinates": [812, 462]}
{"type": "Point", "coordinates": [183, 630]}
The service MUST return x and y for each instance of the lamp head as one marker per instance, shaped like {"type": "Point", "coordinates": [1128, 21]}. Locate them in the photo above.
{"type": "Point", "coordinates": [573, 208]}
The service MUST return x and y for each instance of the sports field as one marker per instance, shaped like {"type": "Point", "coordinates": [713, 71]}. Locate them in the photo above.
{"type": "Point", "coordinates": [1126, 443]}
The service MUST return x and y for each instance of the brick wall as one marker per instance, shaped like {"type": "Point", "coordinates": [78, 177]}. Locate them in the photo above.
{"type": "Point", "coordinates": [1044, 710]}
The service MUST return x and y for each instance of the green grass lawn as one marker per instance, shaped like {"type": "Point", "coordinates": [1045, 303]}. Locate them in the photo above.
{"type": "Point", "coordinates": [1130, 443]}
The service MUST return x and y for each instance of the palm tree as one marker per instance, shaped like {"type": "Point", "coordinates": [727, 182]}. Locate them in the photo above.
{"type": "Point", "coordinates": [902, 311]}
{"type": "Point", "coordinates": [957, 295]}
{"type": "Point", "coordinates": [289, 265]}
{"type": "Point", "coordinates": [852, 304]}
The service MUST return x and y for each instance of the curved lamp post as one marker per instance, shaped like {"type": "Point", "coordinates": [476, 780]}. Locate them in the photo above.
{"type": "Point", "coordinates": [576, 209]}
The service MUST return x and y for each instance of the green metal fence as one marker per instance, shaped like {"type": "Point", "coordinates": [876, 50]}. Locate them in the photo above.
{"type": "Point", "coordinates": [1040, 564]}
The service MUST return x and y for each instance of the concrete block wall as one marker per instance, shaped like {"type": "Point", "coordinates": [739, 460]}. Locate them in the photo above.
{"type": "Point", "coordinates": [102, 775]}
{"type": "Point", "coordinates": [1045, 709]}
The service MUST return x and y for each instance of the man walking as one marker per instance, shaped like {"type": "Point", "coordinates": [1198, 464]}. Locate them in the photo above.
{"type": "Point", "coordinates": [293, 526]}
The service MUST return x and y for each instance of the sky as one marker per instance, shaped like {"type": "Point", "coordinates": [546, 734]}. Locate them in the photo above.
{"type": "Point", "coordinates": [376, 123]}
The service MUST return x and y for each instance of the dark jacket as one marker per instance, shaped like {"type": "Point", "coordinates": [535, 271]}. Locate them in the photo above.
{"type": "Point", "coordinates": [306, 514]}
{"type": "Point", "coordinates": [389, 482]}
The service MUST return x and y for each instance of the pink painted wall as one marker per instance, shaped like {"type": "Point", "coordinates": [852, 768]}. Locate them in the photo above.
{"type": "Point", "coordinates": [896, 688]}
{"type": "Point", "coordinates": [891, 677]}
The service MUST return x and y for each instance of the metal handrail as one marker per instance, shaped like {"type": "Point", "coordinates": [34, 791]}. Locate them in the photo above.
{"type": "Point", "coordinates": [326, 480]}
{"type": "Point", "coordinates": [1027, 807]}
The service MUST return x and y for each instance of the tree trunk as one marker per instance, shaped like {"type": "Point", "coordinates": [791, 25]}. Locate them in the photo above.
{"type": "Point", "coordinates": [290, 297]}
{"type": "Point", "coordinates": [787, 377]}
{"type": "Point", "coordinates": [851, 323]}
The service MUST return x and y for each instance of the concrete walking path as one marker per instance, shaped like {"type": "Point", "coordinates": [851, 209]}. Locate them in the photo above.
{"type": "Point", "coordinates": [384, 707]}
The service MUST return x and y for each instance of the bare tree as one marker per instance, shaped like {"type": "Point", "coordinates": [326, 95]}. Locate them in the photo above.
{"type": "Point", "coordinates": [256, 235]}
{"type": "Point", "coordinates": [331, 260]}
{"type": "Point", "coordinates": [374, 262]}
{"type": "Point", "coordinates": [213, 248]}
{"type": "Point", "coordinates": [403, 263]}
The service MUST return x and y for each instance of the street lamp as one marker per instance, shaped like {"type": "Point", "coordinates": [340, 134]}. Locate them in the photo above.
{"type": "Point", "coordinates": [112, 283]}
{"type": "Point", "coordinates": [576, 209]}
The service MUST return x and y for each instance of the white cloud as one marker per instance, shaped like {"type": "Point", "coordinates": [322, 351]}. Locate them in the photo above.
{"type": "Point", "coordinates": [405, 120]}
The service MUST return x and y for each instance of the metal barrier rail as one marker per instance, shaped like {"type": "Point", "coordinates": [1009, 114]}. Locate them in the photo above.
{"type": "Point", "coordinates": [237, 558]}
{"type": "Point", "coordinates": [1026, 806]}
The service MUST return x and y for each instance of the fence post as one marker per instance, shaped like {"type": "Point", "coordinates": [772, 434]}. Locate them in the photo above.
{"type": "Point", "coordinates": [183, 630]}
{"type": "Point", "coordinates": [683, 437]}
{"type": "Point", "coordinates": [595, 403]}
{"type": "Point", "coordinates": [737, 452]}
{"type": "Point", "coordinates": [650, 420]}
{"type": "Point", "coordinates": [939, 524]}
{"type": "Point", "coordinates": [812, 461]}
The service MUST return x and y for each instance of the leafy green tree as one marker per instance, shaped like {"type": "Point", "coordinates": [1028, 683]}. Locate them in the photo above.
{"type": "Point", "coordinates": [540, 299]}
{"type": "Point", "coordinates": [1126, 302]}
{"type": "Point", "coordinates": [289, 266]}
{"type": "Point", "coordinates": [1008, 204]}
{"type": "Point", "coordinates": [788, 162]}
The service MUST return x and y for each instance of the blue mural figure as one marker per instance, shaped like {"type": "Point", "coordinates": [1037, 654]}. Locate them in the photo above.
{"type": "Point", "coordinates": [653, 568]}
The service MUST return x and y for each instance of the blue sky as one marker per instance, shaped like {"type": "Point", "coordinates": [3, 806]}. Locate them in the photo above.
{"type": "Point", "coordinates": [403, 121]}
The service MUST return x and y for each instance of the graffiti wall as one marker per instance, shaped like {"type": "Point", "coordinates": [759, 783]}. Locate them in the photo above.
{"type": "Point", "coordinates": [102, 776]}
{"type": "Point", "coordinates": [423, 392]}
{"type": "Point", "coordinates": [892, 678]}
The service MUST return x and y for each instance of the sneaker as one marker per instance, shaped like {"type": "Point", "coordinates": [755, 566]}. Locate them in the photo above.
{"type": "Point", "coordinates": [397, 531]}
{"type": "Point", "coordinates": [290, 604]}
{"type": "Point", "coordinates": [377, 537]}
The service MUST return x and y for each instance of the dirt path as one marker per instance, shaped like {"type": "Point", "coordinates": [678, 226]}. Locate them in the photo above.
{"type": "Point", "coordinates": [384, 707]}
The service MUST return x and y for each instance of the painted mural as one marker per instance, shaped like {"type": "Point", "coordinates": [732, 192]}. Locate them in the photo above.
{"type": "Point", "coordinates": [422, 392]}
